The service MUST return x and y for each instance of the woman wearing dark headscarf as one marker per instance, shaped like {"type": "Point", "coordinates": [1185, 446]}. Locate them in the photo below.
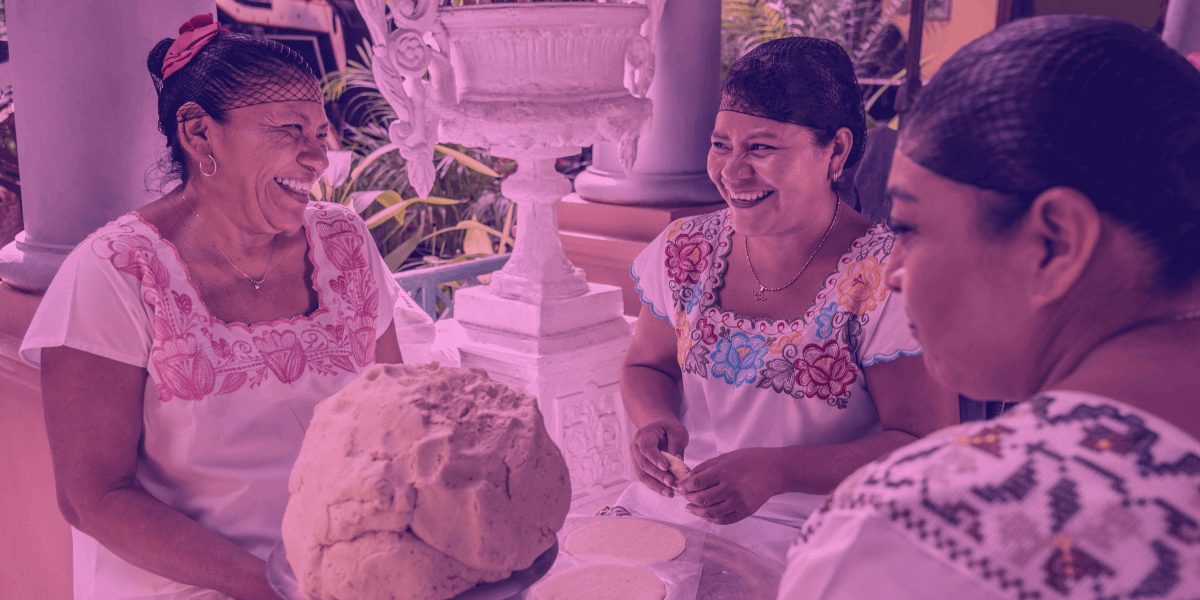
{"type": "Point", "coordinates": [1047, 206]}
{"type": "Point", "coordinates": [765, 324]}
{"type": "Point", "coordinates": [183, 346]}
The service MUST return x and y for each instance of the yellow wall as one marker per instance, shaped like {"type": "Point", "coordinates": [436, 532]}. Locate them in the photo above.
{"type": "Point", "coordinates": [969, 19]}
{"type": "Point", "coordinates": [1138, 12]}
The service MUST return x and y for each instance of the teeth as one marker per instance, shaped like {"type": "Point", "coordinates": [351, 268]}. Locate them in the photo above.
{"type": "Point", "coordinates": [295, 185]}
{"type": "Point", "coordinates": [748, 196]}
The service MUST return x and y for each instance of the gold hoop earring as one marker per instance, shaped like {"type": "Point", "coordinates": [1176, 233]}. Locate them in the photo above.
{"type": "Point", "coordinates": [214, 162]}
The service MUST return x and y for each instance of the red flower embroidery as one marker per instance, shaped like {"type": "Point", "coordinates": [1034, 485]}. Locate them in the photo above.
{"type": "Point", "coordinates": [687, 258]}
{"type": "Point", "coordinates": [707, 329]}
{"type": "Point", "coordinates": [343, 245]}
{"type": "Point", "coordinates": [185, 371]}
{"type": "Point", "coordinates": [826, 372]}
{"type": "Point", "coordinates": [283, 354]}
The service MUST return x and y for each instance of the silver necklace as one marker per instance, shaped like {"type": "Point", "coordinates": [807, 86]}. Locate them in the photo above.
{"type": "Point", "coordinates": [761, 292]}
{"type": "Point", "coordinates": [255, 282]}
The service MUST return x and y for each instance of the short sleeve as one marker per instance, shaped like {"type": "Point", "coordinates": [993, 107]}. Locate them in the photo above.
{"type": "Point", "coordinates": [890, 336]}
{"type": "Point", "coordinates": [413, 325]}
{"type": "Point", "coordinates": [860, 555]}
{"type": "Point", "coordinates": [649, 275]}
{"type": "Point", "coordinates": [94, 307]}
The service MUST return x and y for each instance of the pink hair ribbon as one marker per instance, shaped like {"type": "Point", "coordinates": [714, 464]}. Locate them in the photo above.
{"type": "Point", "coordinates": [197, 32]}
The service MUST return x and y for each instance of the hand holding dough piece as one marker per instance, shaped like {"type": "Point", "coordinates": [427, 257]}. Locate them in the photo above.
{"type": "Point", "coordinates": [677, 468]}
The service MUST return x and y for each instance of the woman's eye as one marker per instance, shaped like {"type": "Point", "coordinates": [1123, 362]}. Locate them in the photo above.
{"type": "Point", "coordinates": [719, 145]}
{"type": "Point", "coordinates": [754, 147]}
{"type": "Point", "coordinates": [900, 228]}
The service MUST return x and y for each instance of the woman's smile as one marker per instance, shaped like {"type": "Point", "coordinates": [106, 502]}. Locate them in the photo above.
{"type": "Point", "coordinates": [748, 199]}
{"type": "Point", "coordinates": [298, 189]}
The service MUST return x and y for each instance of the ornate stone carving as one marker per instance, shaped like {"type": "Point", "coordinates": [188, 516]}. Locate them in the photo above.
{"type": "Point", "coordinates": [593, 439]}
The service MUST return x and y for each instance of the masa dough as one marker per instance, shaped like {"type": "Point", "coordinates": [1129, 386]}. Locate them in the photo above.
{"type": "Point", "coordinates": [626, 537]}
{"type": "Point", "coordinates": [418, 483]}
{"type": "Point", "coordinates": [678, 469]}
{"type": "Point", "coordinates": [601, 582]}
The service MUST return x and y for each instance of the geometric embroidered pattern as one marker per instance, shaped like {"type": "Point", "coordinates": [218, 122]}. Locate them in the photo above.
{"type": "Point", "coordinates": [1066, 496]}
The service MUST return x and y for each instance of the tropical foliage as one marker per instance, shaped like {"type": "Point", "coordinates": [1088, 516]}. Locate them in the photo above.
{"type": "Point", "coordinates": [862, 27]}
{"type": "Point", "coordinates": [465, 214]}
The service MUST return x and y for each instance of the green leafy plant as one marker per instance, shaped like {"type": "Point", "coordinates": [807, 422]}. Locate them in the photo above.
{"type": "Point", "coordinates": [861, 27]}
{"type": "Point", "coordinates": [465, 215]}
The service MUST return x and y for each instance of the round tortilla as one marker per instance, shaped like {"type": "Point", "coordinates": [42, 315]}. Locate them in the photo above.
{"type": "Point", "coordinates": [628, 538]}
{"type": "Point", "coordinates": [601, 582]}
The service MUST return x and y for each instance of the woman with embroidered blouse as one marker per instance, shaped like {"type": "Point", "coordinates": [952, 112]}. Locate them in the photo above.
{"type": "Point", "coordinates": [769, 354]}
{"type": "Point", "coordinates": [1046, 202]}
{"type": "Point", "coordinates": [184, 346]}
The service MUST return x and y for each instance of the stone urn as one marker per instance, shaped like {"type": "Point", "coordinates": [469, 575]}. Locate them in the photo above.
{"type": "Point", "coordinates": [530, 81]}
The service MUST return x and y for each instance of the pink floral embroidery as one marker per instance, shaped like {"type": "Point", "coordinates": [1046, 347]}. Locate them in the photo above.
{"type": "Point", "coordinates": [134, 254]}
{"type": "Point", "coordinates": [194, 355]}
{"type": "Point", "coordinates": [687, 257]}
{"type": "Point", "coordinates": [184, 371]}
{"type": "Point", "coordinates": [343, 244]}
{"type": "Point", "coordinates": [362, 340]}
{"type": "Point", "coordinates": [283, 353]}
{"type": "Point", "coordinates": [826, 372]}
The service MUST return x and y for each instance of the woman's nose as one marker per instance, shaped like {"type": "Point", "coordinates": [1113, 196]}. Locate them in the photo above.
{"type": "Point", "coordinates": [893, 272]}
{"type": "Point", "coordinates": [736, 167]}
{"type": "Point", "coordinates": [314, 156]}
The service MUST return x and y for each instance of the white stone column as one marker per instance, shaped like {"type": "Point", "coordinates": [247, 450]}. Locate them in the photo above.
{"type": "Point", "coordinates": [87, 120]}
{"type": "Point", "coordinates": [671, 161]}
{"type": "Point", "coordinates": [1181, 29]}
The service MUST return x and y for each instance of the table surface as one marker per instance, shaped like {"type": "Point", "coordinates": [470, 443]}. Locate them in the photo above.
{"type": "Point", "coordinates": [731, 572]}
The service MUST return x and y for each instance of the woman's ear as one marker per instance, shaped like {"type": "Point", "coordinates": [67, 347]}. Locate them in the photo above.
{"type": "Point", "coordinates": [843, 142]}
{"type": "Point", "coordinates": [1067, 226]}
{"type": "Point", "coordinates": [194, 132]}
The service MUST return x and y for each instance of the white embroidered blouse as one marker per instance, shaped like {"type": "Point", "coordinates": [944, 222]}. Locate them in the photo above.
{"type": "Point", "coordinates": [226, 404]}
{"type": "Point", "coordinates": [1068, 496]}
{"type": "Point", "coordinates": [763, 383]}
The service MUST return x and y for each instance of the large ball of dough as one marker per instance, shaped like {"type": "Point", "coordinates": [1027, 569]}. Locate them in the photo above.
{"type": "Point", "coordinates": [421, 482]}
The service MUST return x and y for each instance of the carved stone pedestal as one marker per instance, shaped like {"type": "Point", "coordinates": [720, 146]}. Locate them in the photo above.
{"type": "Point", "coordinates": [566, 353]}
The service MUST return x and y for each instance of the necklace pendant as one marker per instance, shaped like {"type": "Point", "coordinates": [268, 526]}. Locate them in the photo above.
{"type": "Point", "coordinates": [256, 284]}
{"type": "Point", "coordinates": [760, 293]}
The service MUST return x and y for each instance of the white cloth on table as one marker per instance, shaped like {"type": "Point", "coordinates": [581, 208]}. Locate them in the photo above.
{"type": "Point", "coordinates": [762, 383]}
{"type": "Point", "coordinates": [226, 404]}
{"type": "Point", "coordinates": [1069, 495]}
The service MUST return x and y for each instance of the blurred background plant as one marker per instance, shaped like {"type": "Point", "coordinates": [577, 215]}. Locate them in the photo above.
{"type": "Point", "coordinates": [465, 215]}
{"type": "Point", "coordinates": [864, 28]}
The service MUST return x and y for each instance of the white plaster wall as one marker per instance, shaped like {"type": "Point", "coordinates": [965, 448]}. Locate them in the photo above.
{"type": "Point", "coordinates": [86, 108]}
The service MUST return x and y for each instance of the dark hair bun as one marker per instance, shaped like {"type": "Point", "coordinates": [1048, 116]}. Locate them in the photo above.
{"type": "Point", "coordinates": [1086, 102]}
{"type": "Point", "coordinates": [800, 80]}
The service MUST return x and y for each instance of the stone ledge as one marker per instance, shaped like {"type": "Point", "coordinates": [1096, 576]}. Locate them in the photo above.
{"type": "Point", "coordinates": [603, 239]}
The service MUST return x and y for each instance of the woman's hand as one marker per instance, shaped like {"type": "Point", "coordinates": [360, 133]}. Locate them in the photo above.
{"type": "Point", "coordinates": [733, 486]}
{"type": "Point", "coordinates": [649, 443]}
{"type": "Point", "coordinates": [650, 388]}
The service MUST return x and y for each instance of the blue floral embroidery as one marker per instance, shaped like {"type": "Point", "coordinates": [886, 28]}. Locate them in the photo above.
{"type": "Point", "coordinates": [824, 320]}
{"type": "Point", "coordinates": [738, 358]}
{"type": "Point", "coordinates": [697, 291]}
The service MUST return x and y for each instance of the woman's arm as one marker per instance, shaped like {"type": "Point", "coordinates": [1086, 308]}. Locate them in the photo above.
{"type": "Point", "coordinates": [93, 409]}
{"type": "Point", "coordinates": [650, 389]}
{"type": "Point", "coordinates": [734, 485]}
